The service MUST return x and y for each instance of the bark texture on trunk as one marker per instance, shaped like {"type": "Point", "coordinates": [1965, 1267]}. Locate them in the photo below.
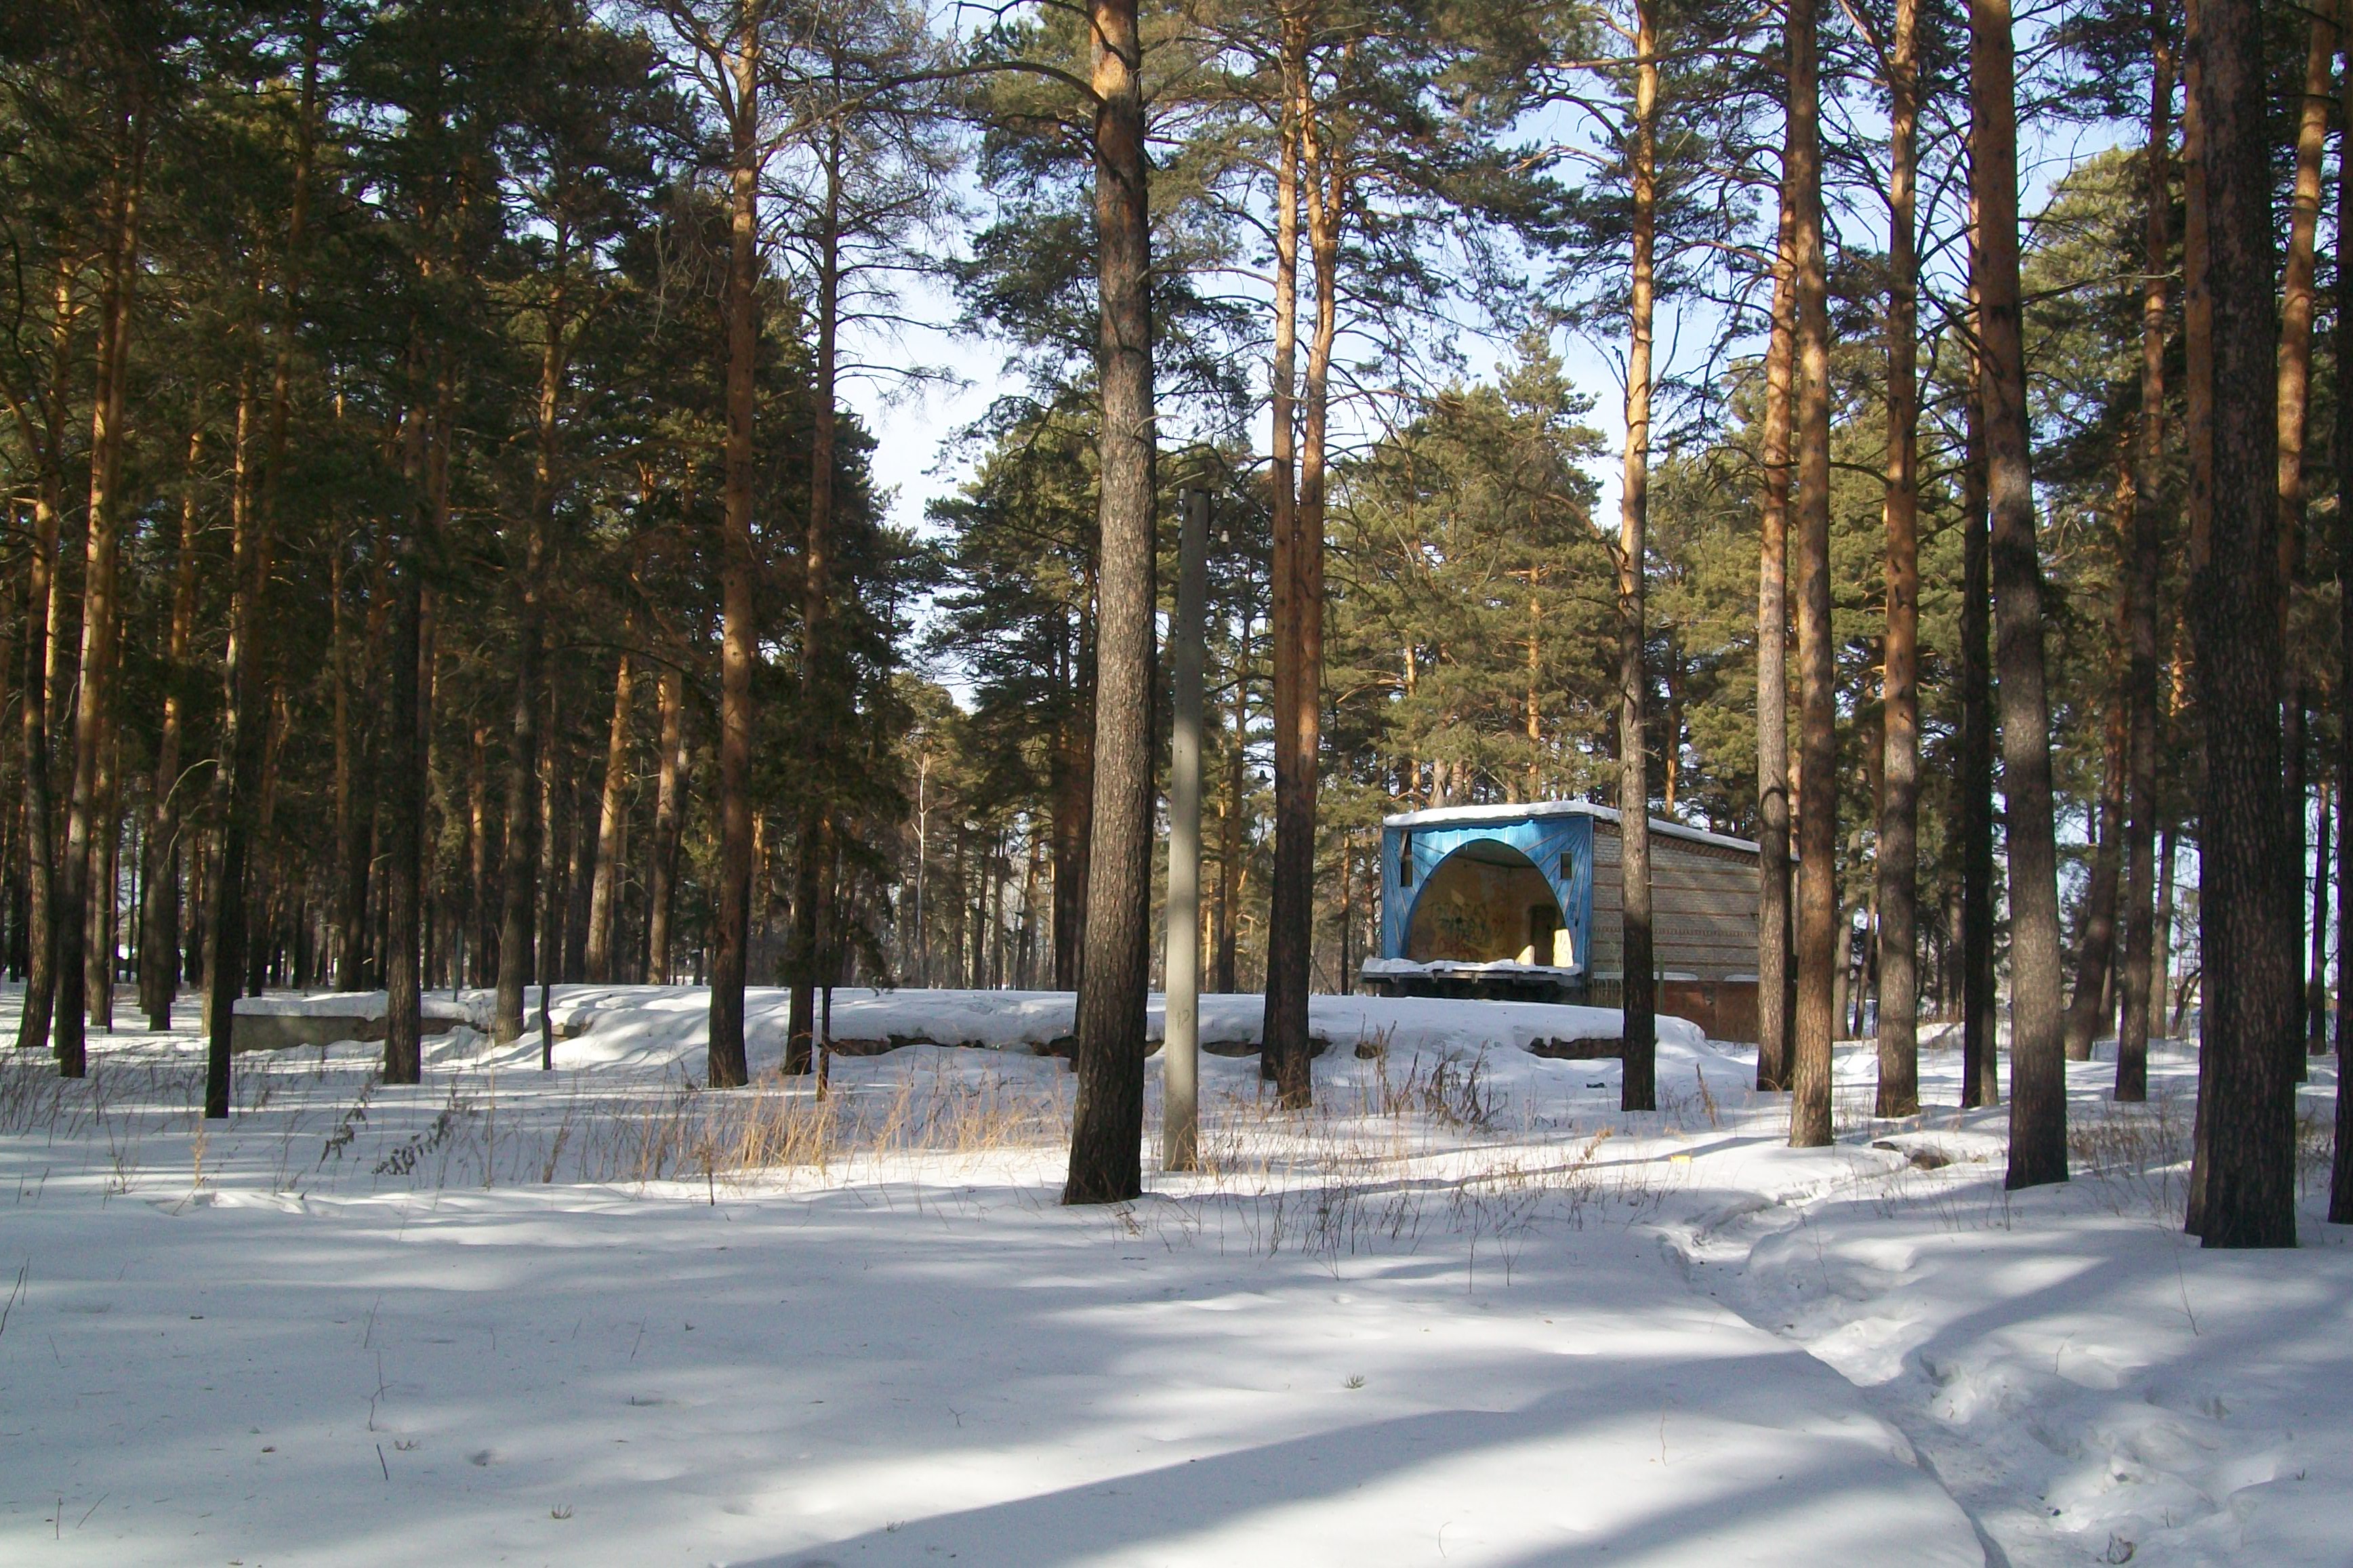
{"type": "Point", "coordinates": [2088, 1005]}
{"type": "Point", "coordinates": [404, 779]}
{"type": "Point", "coordinates": [2245, 931]}
{"type": "Point", "coordinates": [2340, 1174]}
{"type": "Point", "coordinates": [94, 696]}
{"type": "Point", "coordinates": [1818, 901]}
{"type": "Point", "coordinates": [244, 725]}
{"type": "Point", "coordinates": [1229, 825]}
{"type": "Point", "coordinates": [2299, 299]}
{"type": "Point", "coordinates": [1296, 628]}
{"type": "Point", "coordinates": [738, 570]}
{"type": "Point", "coordinates": [612, 827]}
{"type": "Point", "coordinates": [1899, 985]}
{"type": "Point", "coordinates": [159, 938]}
{"type": "Point", "coordinates": [1107, 1120]}
{"type": "Point", "coordinates": [812, 851]}
{"type": "Point", "coordinates": [669, 802]}
{"type": "Point", "coordinates": [1638, 991]}
{"type": "Point", "coordinates": [1980, 1063]}
{"type": "Point", "coordinates": [44, 612]}
{"type": "Point", "coordinates": [2316, 986]}
{"type": "Point", "coordinates": [1072, 781]}
{"type": "Point", "coordinates": [2038, 1115]}
{"type": "Point", "coordinates": [2140, 959]}
{"type": "Point", "coordinates": [520, 960]}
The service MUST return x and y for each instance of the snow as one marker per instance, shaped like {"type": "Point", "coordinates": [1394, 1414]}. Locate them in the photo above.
{"type": "Point", "coordinates": [1464, 1312]}
{"type": "Point", "coordinates": [367, 1005]}
{"type": "Point", "coordinates": [1458, 815]}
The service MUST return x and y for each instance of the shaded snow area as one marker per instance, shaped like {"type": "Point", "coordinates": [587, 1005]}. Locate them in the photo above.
{"type": "Point", "coordinates": [1463, 1312]}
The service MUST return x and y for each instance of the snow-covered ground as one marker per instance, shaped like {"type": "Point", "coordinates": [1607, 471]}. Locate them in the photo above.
{"type": "Point", "coordinates": [1464, 1312]}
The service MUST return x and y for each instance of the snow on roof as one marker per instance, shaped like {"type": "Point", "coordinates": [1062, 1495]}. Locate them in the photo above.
{"type": "Point", "coordinates": [1463, 816]}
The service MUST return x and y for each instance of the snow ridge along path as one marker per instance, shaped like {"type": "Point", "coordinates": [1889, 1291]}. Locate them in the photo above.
{"type": "Point", "coordinates": [1466, 1313]}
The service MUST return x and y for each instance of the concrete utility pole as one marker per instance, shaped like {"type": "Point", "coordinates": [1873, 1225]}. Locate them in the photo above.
{"type": "Point", "coordinates": [1181, 1044]}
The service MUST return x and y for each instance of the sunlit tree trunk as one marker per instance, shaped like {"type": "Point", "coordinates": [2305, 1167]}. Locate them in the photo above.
{"type": "Point", "coordinates": [244, 725]}
{"type": "Point", "coordinates": [1819, 937]}
{"type": "Point", "coordinates": [612, 827]}
{"type": "Point", "coordinates": [2038, 1118]}
{"type": "Point", "coordinates": [99, 611]}
{"type": "Point", "coordinates": [1638, 993]}
{"type": "Point", "coordinates": [669, 802]}
{"type": "Point", "coordinates": [2245, 929]}
{"type": "Point", "coordinates": [2088, 1005]}
{"type": "Point", "coordinates": [2316, 987]}
{"type": "Point", "coordinates": [2143, 965]}
{"type": "Point", "coordinates": [738, 565]}
{"type": "Point", "coordinates": [819, 697]}
{"type": "Point", "coordinates": [2198, 436]}
{"type": "Point", "coordinates": [159, 941]}
{"type": "Point", "coordinates": [2340, 1176]}
{"type": "Point", "coordinates": [2299, 299]}
{"type": "Point", "coordinates": [1230, 823]}
{"type": "Point", "coordinates": [1981, 1062]}
{"type": "Point", "coordinates": [1290, 905]}
{"type": "Point", "coordinates": [1107, 1120]}
{"type": "Point", "coordinates": [1774, 979]}
{"type": "Point", "coordinates": [44, 612]}
{"type": "Point", "coordinates": [518, 958]}
{"type": "Point", "coordinates": [1899, 989]}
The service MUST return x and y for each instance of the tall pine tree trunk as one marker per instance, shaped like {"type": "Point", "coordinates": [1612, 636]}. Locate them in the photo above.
{"type": "Point", "coordinates": [612, 825]}
{"type": "Point", "coordinates": [159, 941]}
{"type": "Point", "coordinates": [1980, 1061]}
{"type": "Point", "coordinates": [2197, 432]}
{"type": "Point", "coordinates": [520, 960]}
{"type": "Point", "coordinates": [1819, 938]}
{"type": "Point", "coordinates": [1288, 1046]}
{"type": "Point", "coordinates": [2141, 972]}
{"type": "Point", "coordinates": [1291, 911]}
{"type": "Point", "coordinates": [738, 567]}
{"type": "Point", "coordinates": [2088, 1005]}
{"type": "Point", "coordinates": [1107, 1122]}
{"type": "Point", "coordinates": [2340, 1174]}
{"type": "Point", "coordinates": [244, 724]}
{"type": "Point", "coordinates": [1229, 825]}
{"type": "Point", "coordinates": [477, 930]}
{"type": "Point", "coordinates": [2298, 300]}
{"type": "Point", "coordinates": [404, 779]}
{"type": "Point", "coordinates": [2038, 1114]}
{"type": "Point", "coordinates": [2316, 986]}
{"type": "Point", "coordinates": [2245, 932]}
{"type": "Point", "coordinates": [1638, 990]}
{"type": "Point", "coordinates": [99, 611]}
{"type": "Point", "coordinates": [1774, 978]}
{"type": "Point", "coordinates": [668, 805]}
{"type": "Point", "coordinates": [811, 850]}
{"type": "Point", "coordinates": [1899, 986]}
{"type": "Point", "coordinates": [44, 612]}
{"type": "Point", "coordinates": [1072, 783]}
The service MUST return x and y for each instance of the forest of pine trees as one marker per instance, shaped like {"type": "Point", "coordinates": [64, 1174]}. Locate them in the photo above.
{"type": "Point", "coordinates": [442, 551]}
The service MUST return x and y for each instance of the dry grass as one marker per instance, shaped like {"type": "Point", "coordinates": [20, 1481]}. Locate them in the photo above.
{"type": "Point", "coordinates": [2136, 1155]}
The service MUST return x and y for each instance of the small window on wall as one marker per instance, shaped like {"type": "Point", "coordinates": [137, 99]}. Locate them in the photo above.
{"type": "Point", "coordinates": [1405, 859]}
{"type": "Point", "coordinates": [1567, 867]}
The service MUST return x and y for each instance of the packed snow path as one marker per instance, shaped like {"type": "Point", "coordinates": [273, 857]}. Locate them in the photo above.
{"type": "Point", "coordinates": [1471, 1316]}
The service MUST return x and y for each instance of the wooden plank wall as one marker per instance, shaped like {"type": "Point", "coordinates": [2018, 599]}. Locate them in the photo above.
{"type": "Point", "coordinates": [1703, 902]}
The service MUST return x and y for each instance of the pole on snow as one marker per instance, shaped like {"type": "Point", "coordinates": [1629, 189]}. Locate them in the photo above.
{"type": "Point", "coordinates": [1181, 1043]}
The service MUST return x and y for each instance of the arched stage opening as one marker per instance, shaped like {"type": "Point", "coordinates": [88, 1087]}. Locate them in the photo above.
{"type": "Point", "coordinates": [1487, 902]}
